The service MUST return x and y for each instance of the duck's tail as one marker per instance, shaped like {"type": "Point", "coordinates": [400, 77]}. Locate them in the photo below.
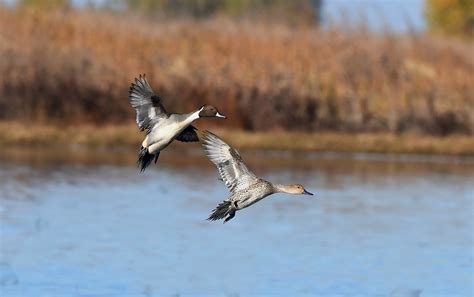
{"type": "Point", "coordinates": [224, 209]}
{"type": "Point", "coordinates": [145, 158]}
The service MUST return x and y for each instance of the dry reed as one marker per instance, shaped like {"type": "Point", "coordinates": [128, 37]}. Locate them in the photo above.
{"type": "Point", "coordinates": [75, 67]}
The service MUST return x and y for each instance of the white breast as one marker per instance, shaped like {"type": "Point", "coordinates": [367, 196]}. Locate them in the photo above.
{"type": "Point", "coordinates": [162, 135]}
{"type": "Point", "coordinates": [165, 131]}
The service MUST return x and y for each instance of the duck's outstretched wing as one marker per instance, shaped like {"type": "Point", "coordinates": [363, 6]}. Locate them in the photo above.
{"type": "Point", "coordinates": [229, 163]}
{"type": "Point", "coordinates": [147, 104]}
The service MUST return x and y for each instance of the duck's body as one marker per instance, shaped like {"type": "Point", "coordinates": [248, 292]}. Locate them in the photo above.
{"type": "Point", "coordinates": [161, 126]}
{"type": "Point", "coordinates": [245, 187]}
{"type": "Point", "coordinates": [164, 132]}
{"type": "Point", "coordinates": [252, 194]}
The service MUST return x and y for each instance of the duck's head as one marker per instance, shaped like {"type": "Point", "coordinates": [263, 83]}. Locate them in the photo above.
{"type": "Point", "coordinates": [296, 189]}
{"type": "Point", "coordinates": [210, 111]}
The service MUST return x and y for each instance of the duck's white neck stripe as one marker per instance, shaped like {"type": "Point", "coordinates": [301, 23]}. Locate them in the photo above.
{"type": "Point", "coordinates": [195, 115]}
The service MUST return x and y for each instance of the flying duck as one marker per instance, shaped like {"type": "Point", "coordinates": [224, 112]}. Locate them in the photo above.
{"type": "Point", "coordinates": [161, 126]}
{"type": "Point", "coordinates": [244, 186]}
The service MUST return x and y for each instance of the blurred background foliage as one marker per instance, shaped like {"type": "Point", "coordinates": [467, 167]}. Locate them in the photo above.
{"type": "Point", "coordinates": [454, 17]}
{"type": "Point", "coordinates": [45, 4]}
{"type": "Point", "coordinates": [267, 64]}
{"type": "Point", "coordinates": [298, 11]}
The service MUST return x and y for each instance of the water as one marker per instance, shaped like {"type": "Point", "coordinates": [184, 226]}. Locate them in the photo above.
{"type": "Point", "coordinates": [87, 224]}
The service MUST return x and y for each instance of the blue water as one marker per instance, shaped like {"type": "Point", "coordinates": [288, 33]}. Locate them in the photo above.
{"type": "Point", "coordinates": [376, 228]}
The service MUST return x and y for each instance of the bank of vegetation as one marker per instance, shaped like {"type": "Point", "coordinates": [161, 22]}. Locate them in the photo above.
{"type": "Point", "coordinates": [126, 137]}
{"type": "Point", "coordinates": [67, 68]}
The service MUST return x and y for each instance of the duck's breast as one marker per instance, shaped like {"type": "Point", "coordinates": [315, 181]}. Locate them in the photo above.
{"type": "Point", "coordinates": [252, 194]}
{"type": "Point", "coordinates": [163, 134]}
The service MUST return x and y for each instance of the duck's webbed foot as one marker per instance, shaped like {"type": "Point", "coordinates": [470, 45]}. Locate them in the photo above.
{"type": "Point", "coordinates": [230, 216]}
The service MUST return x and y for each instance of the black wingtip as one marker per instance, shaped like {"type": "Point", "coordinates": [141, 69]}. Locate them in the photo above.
{"type": "Point", "coordinates": [137, 79]}
{"type": "Point", "coordinates": [139, 84]}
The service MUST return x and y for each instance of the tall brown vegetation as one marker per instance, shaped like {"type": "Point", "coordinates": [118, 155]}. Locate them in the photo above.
{"type": "Point", "coordinates": [74, 67]}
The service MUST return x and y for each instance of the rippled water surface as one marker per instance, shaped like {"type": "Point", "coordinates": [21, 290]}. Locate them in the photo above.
{"type": "Point", "coordinates": [87, 224]}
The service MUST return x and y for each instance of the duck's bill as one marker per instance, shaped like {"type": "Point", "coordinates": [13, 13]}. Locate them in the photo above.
{"type": "Point", "coordinates": [307, 193]}
{"type": "Point", "coordinates": [218, 115]}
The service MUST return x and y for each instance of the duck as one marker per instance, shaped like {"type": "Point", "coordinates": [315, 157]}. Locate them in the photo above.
{"type": "Point", "coordinates": [161, 126]}
{"type": "Point", "coordinates": [245, 187]}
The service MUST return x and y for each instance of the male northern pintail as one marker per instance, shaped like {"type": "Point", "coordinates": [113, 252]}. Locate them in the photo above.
{"type": "Point", "coordinates": [161, 126]}
{"type": "Point", "coordinates": [245, 187]}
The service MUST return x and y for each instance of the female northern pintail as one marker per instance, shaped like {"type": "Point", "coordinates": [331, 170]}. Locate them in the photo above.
{"type": "Point", "coordinates": [161, 126]}
{"type": "Point", "coordinates": [245, 187]}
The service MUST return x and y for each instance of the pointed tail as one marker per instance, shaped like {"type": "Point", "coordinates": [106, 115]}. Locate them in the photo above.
{"type": "Point", "coordinates": [222, 210]}
{"type": "Point", "coordinates": [145, 158]}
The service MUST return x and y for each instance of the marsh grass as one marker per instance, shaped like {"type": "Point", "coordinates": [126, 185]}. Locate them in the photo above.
{"type": "Point", "coordinates": [14, 134]}
{"type": "Point", "coordinates": [74, 67]}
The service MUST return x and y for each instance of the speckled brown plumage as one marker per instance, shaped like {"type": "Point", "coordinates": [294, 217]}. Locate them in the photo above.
{"type": "Point", "coordinates": [245, 187]}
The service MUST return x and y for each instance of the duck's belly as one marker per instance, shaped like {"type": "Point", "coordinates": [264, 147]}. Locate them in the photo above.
{"type": "Point", "coordinates": [161, 136]}
{"type": "Point", "coordinates": [245, 199]}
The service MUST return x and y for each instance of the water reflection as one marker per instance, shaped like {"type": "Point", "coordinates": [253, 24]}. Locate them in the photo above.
{"type": "Point", "coordinates": [80, 223]}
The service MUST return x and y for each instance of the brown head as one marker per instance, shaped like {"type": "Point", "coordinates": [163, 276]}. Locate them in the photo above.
{"type": "Point", "coordinates": [293, 189]}
{"type": "Point", "coordinates": [210, 111]}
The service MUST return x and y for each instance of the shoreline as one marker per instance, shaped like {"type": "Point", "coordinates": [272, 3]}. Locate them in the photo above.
{"type": "Point", "coordinates": [14, 134]}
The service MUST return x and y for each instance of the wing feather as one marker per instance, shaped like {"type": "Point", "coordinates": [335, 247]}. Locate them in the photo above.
{"type": "Point", "coordinates": [229, 163]}
{"type": "Point", "coordinates": [147, 104]}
